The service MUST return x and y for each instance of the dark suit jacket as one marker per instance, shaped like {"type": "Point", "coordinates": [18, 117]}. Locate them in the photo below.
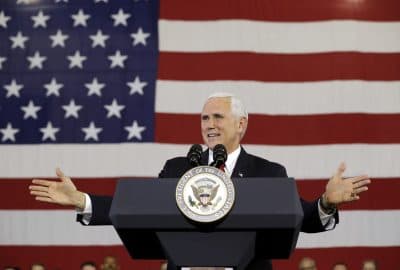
{"type": "Point", "coordinates": [246, 166]}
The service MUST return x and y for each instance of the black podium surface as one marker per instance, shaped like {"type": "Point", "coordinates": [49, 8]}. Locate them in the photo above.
{"type": "Point", "coordinates": [264, 223]}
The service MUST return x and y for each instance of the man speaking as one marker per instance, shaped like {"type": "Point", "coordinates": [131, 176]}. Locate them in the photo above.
{"type": "Point", "coordinates": [224, 121]}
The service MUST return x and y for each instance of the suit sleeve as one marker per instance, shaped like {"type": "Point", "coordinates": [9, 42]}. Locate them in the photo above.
{"type": "Point", "coordinates": [164, 172]}
{"type": "Point", "coordinates": [311, 220]}
{"type": "Point", "coordinates": [100, 210]}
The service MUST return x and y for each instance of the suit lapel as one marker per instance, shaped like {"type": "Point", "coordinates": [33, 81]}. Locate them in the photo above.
{"type": "Point", "coordinates": [241, 167]}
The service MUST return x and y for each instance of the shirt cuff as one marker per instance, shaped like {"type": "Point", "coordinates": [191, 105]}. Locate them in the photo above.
{"type": "Point", "coordinates": [327, 220]}
{"type": "Point", "coordinates": [87, 211]}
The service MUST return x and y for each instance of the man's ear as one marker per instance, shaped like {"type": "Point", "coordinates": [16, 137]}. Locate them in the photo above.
{"type": "Point", "coordinates": [242, 125]}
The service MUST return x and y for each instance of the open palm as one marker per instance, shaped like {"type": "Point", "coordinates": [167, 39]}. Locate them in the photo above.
{"type": "Point", "coordinates": [340, 190]}
{"type": "Point", "coordinates": [61, 192]}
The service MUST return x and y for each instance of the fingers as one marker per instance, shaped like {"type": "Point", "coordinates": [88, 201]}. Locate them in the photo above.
{"type": "Point", "coordinates": [62, 176]}
{"type": "Point", "coordinates": [44, 199]}
{"type": "Point", "coordinates": [38, 188]}
{"type": "Point", "coordinates": [353, 197]}
{"type": "Point", "coordinates": [361, 183]}
{"type": "Point", "coordinates": [360, 189]}
{"type": "Point", "coordinates": [42, 182]}
{"type": "Point", "coordinates": [59, 173]}
{"type": "Point", "coordinates": [40, 194]}
{"type": "Point", "coordinates": [340, 170]}
{"type": "Point", "coordinates": [358, 178]}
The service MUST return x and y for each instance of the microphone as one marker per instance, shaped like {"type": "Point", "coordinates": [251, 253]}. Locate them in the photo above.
{"type": "Point", "coordinates": [194, 155]}
{"type": "Point", "coordinates": [219, 155]}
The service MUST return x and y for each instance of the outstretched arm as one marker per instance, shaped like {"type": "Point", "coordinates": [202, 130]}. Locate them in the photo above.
{"type": "Point", "coordinates": [61, 192]}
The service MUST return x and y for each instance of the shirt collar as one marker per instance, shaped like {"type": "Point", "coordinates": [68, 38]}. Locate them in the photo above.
{"type": "Point", "coordinates": [230, 162]}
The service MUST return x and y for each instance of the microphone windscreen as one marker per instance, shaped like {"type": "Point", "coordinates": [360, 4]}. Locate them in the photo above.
{"type": "Point", "coordinates": [194, 154]}
{"type": "Point", "coordinates": [219, 154]}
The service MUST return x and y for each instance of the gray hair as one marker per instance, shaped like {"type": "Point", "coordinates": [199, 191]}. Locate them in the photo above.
{"type": "Point", "coordinates": [237, 106]}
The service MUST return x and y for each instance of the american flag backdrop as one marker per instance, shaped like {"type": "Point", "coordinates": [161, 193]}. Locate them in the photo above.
{"type": "Point", "coordinates": [107, 89]}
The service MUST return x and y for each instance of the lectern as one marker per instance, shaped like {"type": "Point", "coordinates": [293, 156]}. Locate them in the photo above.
{"type": "Point", "coordinates": [264, 222]}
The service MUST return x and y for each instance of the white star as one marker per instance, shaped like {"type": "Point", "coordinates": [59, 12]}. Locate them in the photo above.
{"type": "Point", "coordinates": [135, 131]}
{"type": "Point", "coordinates": [58, 39]}
{"type": "Point", "coordinates": [49, 132]}
{"type": "Point", "coordinates": [99, 39]}
{"type": "Point", "coordinates": [98, 1]}
{"type": "Point", "coordinates": [23, 2]}
{"type": "Point", "coordinates": [36, 60]}
{"type": "Point", "coordinates": [30, 110]}
{"type": "Point", "coordinates": [76, 60]}
{"type": "Point", "coordinates": [71, 109]}
{"type": "Point", "coordinates": [80, 18]}
{"type": "Point", "coordinates": [139, 37]}
{"type": "Point", "coordinates": [95, 87]}
{"type": "Point", "coordinates": [120, 17]}
{"type": "Point", "coordinates": [91, 132]}
{"type": "Point", "coordinates": [40, 20]}
{"type": "Point", "coordinates": [114, 109]}
{"type": "Point", "coordinates": [117, 59]}
{"type": "Point", "coordinates": [9, 133]}
{"type": "Point", "coordinates": [4, 19]}
{"type": "Point", "coordinates": [13, 89]}
{"type": "Point", "coordinates": [18, 40]}
{"type": "Point", "coordinates": [53, 88]}
{"type": "Point", "coordinates": [136, 86]}
{"type": "Point", "coordinates": [2, 59]}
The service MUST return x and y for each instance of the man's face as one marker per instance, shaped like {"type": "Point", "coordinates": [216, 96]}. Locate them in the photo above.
{"type": "Point", "coordinates": [219, 125]}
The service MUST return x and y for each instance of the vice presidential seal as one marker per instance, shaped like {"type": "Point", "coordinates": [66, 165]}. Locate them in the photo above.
{"type": "Point", "coordinates": [205, 194]}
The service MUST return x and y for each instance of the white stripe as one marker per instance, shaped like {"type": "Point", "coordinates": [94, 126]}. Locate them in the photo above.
{"type": "Point", "coordinates": [51, 227]}
{"type": "Point", "coordinates": [129, 159]}
{"type": "Point", "coordinates": [278, 37]}
{"type": "Point", "coordinates": [34, 227]}
{"type": "Point", "coordinates": [358, 228]}
{"type": "Point", "coordinates": [284, 98]}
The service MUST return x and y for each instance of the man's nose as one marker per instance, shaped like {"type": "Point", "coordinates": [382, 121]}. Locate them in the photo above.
{"type": "Point", "coordinates": [211, 124]}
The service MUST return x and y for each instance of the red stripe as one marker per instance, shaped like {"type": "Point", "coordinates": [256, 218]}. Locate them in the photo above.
{"type": "Point", "coordinates": [290, 130]}
{"type": "Point", "coordinates": [383, 193]}
{"type": "Point", "coordinates": [279, 67]}
{"type": "Point", "coordinates": [66, 257]}
{"type": "Point", "coordinates": [281, 10]}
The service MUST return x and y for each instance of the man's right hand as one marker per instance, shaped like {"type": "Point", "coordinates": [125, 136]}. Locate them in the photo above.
{"type": "Point", "coordinates": [61, 192]}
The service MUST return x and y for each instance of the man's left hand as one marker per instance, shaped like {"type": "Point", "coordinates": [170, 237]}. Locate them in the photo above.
{"type": "Point", "coordinates": [341, 190]}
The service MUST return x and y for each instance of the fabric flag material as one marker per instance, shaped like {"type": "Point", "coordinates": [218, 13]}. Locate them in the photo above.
{"type": "Point", "coordinates": [110, 89]}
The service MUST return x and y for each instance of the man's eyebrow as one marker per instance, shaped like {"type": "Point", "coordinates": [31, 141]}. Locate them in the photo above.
{"type": "Point", "coordinates": [216, 115]}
